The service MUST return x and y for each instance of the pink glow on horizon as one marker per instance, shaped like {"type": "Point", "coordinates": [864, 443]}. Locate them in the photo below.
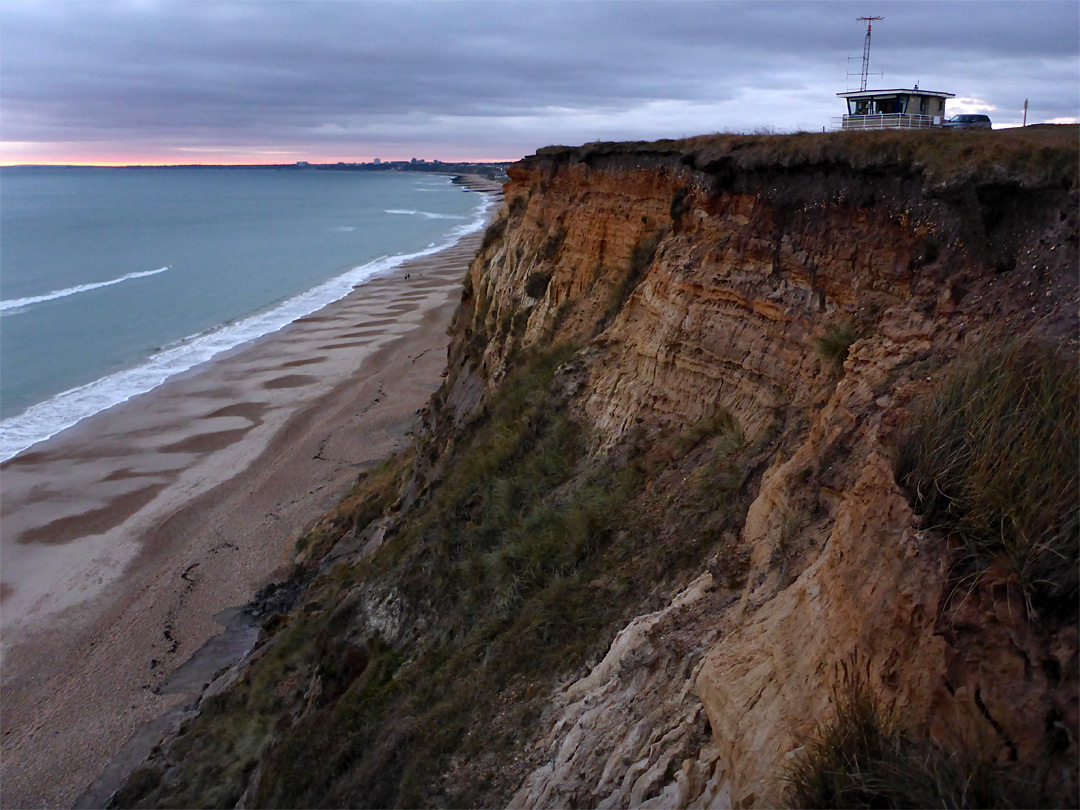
{"type": "Point", "coordinates": [66, 154]}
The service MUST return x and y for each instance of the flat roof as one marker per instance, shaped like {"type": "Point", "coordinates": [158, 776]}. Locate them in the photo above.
{"type": "Point", "coordinates": [906, 91]}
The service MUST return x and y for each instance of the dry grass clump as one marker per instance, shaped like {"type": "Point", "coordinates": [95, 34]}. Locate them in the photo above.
{"type": "Point", "coordinates": [846, 763]}
{"type": "Point", "coordinates": [834, 345]}
{"type": "Point", "coordinates": [864, 758]}
{"type": "Point", "coordinates": [994, 457]}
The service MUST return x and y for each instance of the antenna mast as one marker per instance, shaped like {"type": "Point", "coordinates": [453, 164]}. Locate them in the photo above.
{"type": "Point", "coordinates": [866, 47]}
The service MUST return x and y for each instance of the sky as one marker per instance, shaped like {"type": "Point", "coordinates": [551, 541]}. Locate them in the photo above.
{"type": "Point", "coordinates": [207, 81]}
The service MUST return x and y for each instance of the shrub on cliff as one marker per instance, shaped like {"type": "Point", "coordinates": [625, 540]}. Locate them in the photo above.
{"type": "Point", "coordinates": [493, 234]}
{"type": "Point", "coordinates": [993, 457]}
{"type": "Point", "coordinates": [679, 204]}
{"type": "Point", "coordinates": [844, 765]}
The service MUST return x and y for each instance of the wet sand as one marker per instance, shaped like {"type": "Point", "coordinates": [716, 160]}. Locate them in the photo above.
{"type": "Point", "coordinates": [123, 537]}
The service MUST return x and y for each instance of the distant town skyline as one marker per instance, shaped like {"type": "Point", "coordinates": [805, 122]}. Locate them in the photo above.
{"type": "Point", "coordinates": [178, 81]}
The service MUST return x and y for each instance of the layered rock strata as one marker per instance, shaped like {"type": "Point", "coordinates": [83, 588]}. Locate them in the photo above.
{"type": "Point", "coordinates": [734, 273]}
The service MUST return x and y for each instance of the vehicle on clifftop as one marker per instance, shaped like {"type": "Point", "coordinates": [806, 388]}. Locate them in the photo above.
{"type": "Point", "coordinates": [968, 121]}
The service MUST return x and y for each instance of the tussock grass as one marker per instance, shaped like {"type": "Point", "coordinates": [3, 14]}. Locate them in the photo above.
{"type": "Point", "coordinates": [719, 481]}
{"type": "Point", "coordinates": [844, 764]}
{"type": "Point", "coordinates": [834, 345]}
{"type": "Point", "coordinates": [721, 426]}
{"type": "Point", "coordinates": [863, 757]}
{"type": "Point", "coordinates": [994, 457]}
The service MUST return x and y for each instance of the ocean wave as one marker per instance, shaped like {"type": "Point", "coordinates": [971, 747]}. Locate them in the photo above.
{"type": "Point", "coordinates": [21, 303]}
{"type": "Point", "coordinates": [424, 214]}
{"type": "Point", "coordinates": [46, 419]}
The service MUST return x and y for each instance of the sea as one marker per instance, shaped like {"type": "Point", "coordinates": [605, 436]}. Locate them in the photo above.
{"type": "Point", "coordinates": [113, 280]}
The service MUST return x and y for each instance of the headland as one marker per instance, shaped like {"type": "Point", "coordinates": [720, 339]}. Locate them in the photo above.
{"type": "Point", "coordinates": [689, 521]}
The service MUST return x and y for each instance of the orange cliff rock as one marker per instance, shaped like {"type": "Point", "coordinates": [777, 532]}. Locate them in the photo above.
{"type": "Point", "coordinates": [737, 261]}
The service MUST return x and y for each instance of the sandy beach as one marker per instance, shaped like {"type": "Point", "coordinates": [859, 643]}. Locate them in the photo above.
{"type": "Point", "coordinates": [123, 537]}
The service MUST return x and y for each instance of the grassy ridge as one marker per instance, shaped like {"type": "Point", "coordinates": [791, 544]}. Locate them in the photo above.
{"type": "Point", "coordinates": [1035, 156]}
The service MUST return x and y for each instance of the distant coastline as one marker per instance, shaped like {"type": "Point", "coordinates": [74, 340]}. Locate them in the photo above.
{"type": "Point", "coordinates": [495, 171]}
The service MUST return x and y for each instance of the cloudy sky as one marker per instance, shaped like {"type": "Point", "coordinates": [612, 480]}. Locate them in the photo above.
{"type": "Point", "coordinates": [189, 81]}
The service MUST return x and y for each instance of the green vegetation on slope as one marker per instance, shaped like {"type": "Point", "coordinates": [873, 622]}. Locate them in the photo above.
{"type": "Point", "coordinates": [516, 571]}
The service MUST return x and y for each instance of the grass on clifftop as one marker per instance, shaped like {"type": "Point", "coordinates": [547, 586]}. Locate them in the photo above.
{"type": "Point", "coordinates": [1037, 155]}
{"type": "Point", "coordinates": [994, 457]}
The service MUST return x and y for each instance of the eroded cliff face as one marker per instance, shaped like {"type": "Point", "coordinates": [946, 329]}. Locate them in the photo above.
{"type": "Point", "coordinates": [694, 282]}
{"type": "Point", "coordinates": [652, 522]}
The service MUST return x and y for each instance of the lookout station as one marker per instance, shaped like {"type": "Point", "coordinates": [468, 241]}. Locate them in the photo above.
{"type": "Point", "coordinates": [889, 109]}
{"type": "Point", "coordinates": [893, 109]}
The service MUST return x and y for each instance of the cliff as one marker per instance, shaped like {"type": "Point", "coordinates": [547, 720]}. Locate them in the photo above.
{"type": "Point", "coordinates": [755, 455]}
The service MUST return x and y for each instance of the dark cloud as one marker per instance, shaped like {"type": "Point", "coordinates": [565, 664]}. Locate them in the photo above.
{"type": "Point", "coordinates": [451, 79]}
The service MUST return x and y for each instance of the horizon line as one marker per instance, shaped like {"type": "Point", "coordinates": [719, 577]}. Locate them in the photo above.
{"type": "Point", "coordinates": [293, 164]}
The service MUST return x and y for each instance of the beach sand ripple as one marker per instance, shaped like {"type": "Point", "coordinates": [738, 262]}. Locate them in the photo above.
{"type": "Point", "coordinates": [125, 536]}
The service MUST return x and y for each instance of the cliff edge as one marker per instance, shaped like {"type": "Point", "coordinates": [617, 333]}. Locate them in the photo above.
{"type": "Point", "coordinates": [752, 481]}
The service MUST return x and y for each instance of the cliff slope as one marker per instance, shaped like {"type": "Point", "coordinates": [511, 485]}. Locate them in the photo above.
{"type": "Point", "coordinates": [755, 462]}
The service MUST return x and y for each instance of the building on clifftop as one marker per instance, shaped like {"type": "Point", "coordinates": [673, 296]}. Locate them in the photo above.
{"type": "Point", "coordinates": [893, 109]}
{"type": "Point", "coordinates": [889, 109]}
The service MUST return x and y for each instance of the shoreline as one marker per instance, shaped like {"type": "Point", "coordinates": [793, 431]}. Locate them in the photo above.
{"type": "Point", "coordinates": [125, 536]}
{"type": "Point", "coordinates": [62, 410]}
